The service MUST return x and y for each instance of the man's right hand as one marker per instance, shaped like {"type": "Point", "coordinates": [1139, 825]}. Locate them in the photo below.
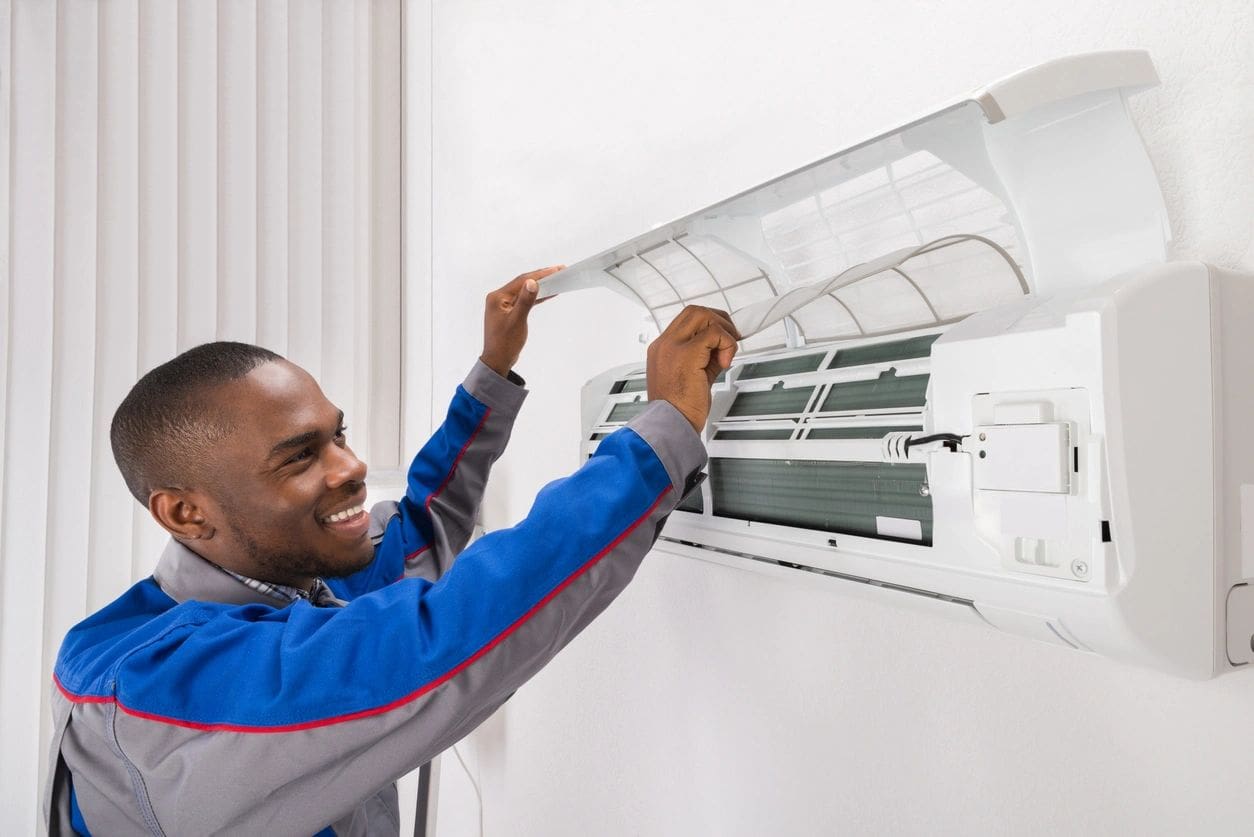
{"type": "Point", "coordinates": [686, 358]}
{"type": "Point", "coordinates": [505, 320]}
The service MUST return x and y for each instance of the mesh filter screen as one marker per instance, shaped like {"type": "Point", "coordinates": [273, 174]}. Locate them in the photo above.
{"type": "Point", "coordinates": [885, 392]}
{"type": "Point", "coordinates": [855, 432]}
{"type": "Point", "coordinates": [748, 435]}
{"type": "Point", "coordinates": [627, 411]}
{"type": "Point", "coordinates": [772, 402]}
{"type": "Point", "coordinates": [692, 503]}
{"type": "Point", "coordinates": [840, 497]}
{"type": "Point", "coordinates": [638, 385]}
{"type": "Point", "coordinates": [783, 366]}
{"type": "Point", "coordinates": [881, 352]}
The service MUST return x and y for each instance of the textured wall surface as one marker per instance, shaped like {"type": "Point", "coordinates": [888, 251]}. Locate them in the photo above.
{"type": "Point", "coordinates": [712, 701]}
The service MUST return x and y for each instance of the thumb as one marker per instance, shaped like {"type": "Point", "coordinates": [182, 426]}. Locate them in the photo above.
{"type": "Point", "coordinates": [528, 295]}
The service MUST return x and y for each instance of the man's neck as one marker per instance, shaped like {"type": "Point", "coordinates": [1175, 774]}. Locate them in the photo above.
{"type": "Point", "coordinates": [301, 586]}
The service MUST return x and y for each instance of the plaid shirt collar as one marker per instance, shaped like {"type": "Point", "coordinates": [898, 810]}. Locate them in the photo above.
{"type": "Point", "coordinates": [318, 594]}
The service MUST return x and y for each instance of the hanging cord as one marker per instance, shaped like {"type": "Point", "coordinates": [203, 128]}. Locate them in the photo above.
{"type": "Point", "coordinates": [474, 784]}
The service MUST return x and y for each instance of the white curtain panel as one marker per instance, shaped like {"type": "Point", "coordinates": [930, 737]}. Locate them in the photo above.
{"type": "Point", "coordinates": [173, 173]}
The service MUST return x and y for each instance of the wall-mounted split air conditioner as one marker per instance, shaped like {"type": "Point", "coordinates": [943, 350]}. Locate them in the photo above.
{"type": "Point", "coordinates": [971, 381]}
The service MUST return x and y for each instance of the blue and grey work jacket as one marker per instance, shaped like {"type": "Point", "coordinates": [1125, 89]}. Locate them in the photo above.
{"type": "Point", "coordinates": [194, 705]}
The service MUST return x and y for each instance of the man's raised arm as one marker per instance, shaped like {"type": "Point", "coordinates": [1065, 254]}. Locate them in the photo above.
{"type": "Point", "coordinates": [419, 535]}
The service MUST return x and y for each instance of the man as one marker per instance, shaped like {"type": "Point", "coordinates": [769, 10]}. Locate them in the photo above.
{"type": "Point", "coordinates": [292, 654]}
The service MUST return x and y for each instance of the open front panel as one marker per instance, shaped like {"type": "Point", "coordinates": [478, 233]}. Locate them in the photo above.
{"type": "Point", "coordinates": [905, 194]}
{"type": "Point", "coordinates": [932, 284]}
{"type": "Point", "coordinates": [1034, 183]}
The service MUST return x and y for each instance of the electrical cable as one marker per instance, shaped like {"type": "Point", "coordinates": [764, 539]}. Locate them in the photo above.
{"type": "Point", "coordinates": [473, 784]}
{"type": "Point", "coordinates": [947, 438]}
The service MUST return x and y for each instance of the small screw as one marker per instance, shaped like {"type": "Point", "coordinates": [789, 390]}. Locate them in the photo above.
{"type": "Point", "coordinates": [983, 454]}
{"type": "Point", "coordinates": [1079, 568]}
{"type": "Point", "coordinates": [983, 437]}
{"type": "Point", "coordinates": [925, 490]}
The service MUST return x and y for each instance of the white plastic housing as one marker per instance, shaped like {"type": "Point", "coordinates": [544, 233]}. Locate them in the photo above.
{"type": "Point", "coordinates": [1068, 460]}
{"type": "Point", "coordinates": [1142, 386]}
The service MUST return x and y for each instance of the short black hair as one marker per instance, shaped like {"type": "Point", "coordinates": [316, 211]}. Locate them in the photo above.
{"type": "Point", "coordinates": [164, 426]}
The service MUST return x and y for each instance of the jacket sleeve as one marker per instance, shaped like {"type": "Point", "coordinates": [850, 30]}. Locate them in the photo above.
{"type": "Point", "coordinates": [419, 535]}
{"type": "Point", "coordinates": [316, 708]}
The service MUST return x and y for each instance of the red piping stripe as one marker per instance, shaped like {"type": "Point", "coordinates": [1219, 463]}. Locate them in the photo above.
{"type": "Point", "coordinates": [73, 698]}
{"type": "Point", "coordinates": [451, 470]}
{"type": "Point", "coordinates": [414, 695]}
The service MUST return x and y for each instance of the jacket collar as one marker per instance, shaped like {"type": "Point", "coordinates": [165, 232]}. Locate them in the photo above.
{"type": "Point", "coordinates": [183, 575]}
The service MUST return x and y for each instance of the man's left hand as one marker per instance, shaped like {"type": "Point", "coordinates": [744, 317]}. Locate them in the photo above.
{"type": "Point", "coordinates": [505, 320]}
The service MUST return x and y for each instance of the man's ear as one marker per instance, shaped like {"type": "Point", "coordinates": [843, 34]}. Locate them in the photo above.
{"type": "Point", "coordinates": [181, 512]}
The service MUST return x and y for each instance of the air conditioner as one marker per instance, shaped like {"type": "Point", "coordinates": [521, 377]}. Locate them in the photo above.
{"type": "Point", "coordinates": [971, 380]}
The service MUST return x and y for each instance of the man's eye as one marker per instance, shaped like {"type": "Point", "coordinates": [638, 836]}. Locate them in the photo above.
{"type": "Point", "coordinates": [340, 431]}
{"type": "Point", "coordinates": [303, 455]}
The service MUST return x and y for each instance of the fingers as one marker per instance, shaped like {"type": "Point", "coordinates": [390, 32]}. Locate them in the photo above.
{"type": "Point", "coordinates": [698, 317]}
{"type": "Point", "coordinates": [712, 330]}
{"type": "Point", "coordinates": [720, 343]}
{"type": "Point", "coordinates": [543, 272]}
{"type": "Point", "coordinates": [518, 284]}
{"type": "Point", "coordinates": [521, 292]}
{"type": "Point", "coordinates": [688, 356]}
{"type": "Point", "coordinates": [716, 338]}
{"type": "Point", "coordinates": [709, 337]}
{"type": "Point", "coordinates": [712, 348]}
{"type": "Point", "coordinates": [694, 318]}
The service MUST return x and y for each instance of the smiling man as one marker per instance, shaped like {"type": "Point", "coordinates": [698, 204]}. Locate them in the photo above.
{"type": "Point", "coordinates": [293, 654]}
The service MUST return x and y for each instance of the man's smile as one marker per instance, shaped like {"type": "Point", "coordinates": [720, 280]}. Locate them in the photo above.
{"type": "Point", "coordinates": [352, 522]}
{"type": "Point", "coordinates": [349, 517]}
{"type": "Point", "coordinates": [341, 516]}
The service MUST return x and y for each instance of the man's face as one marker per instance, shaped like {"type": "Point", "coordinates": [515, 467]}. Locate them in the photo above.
{"type": "Point", "coordinates": [283, 480]}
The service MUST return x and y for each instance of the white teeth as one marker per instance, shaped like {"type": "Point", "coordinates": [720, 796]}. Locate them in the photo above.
{"type": "Point", "coordinates": [344, 515]}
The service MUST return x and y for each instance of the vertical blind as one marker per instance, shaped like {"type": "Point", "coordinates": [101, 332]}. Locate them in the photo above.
{"type": "Point", "coordinates": [176, 173]}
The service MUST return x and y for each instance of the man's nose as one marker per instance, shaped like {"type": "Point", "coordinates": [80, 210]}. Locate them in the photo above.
{"type": "Point", "coordinates": [345, 467]}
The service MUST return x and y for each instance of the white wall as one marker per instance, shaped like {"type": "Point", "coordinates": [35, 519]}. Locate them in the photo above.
{"type": "Point", "coordinates": [712, 701]}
